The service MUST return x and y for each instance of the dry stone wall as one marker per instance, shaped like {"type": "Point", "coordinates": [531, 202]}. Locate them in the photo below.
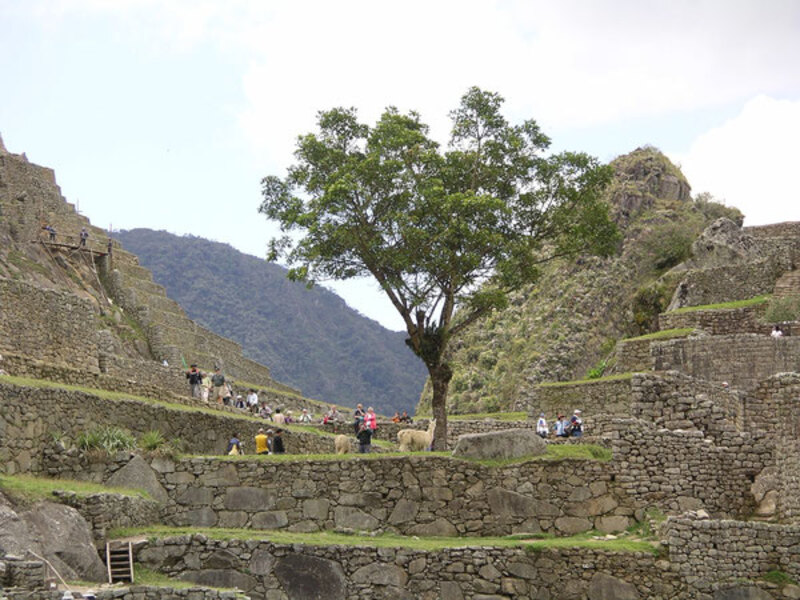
{"type": "Point", "coordinates": [742, 360]}
{"type": "Point", "coordinates": [632, 355]}
{"type": "Point", "coordinates": [718, 322]}
{"type": "Point", "coordinates": [30, 416]}
{"type": "Point", "coordinates": [53, 325]}
{"type": "Point", "coordinates": [600, 396]}
{"type": "Point", "coordinates": [135, 592]}
{"type": "Point", "coordinates": [730, 282]}
{"type": "Point", "coordinates": [268, 570]}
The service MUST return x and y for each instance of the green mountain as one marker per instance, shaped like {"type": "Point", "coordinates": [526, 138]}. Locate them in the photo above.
{"type": "Point", "coordinates": [565, 326]}
{"type": "Point", "coordinates": [310, 339]}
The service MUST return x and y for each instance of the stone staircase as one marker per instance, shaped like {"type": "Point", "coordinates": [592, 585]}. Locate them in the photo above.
{"type": "Point", "coordinates": [788, 285]}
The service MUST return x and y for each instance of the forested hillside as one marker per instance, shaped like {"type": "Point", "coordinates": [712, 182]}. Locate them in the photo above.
{"type": "Point", "coordinates": [310, 339]}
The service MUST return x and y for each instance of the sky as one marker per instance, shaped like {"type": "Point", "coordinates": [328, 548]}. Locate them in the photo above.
{"type": "Point", "coordinates": [167, 114]}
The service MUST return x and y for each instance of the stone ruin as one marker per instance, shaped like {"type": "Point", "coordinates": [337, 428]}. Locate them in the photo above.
{"type": "Point", "coordinates": [701, 428]}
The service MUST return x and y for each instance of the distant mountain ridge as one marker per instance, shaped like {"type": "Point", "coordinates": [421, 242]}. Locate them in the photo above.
{"type": "Point", "coordinates": [309, 339]}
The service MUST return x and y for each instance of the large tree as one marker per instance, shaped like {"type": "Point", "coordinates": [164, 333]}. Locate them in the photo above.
{"type": "Point", "coordinates": [441, 230]}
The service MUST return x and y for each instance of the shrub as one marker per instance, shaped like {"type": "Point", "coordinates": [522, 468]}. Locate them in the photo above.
{"type": "Point", "coordinates": [783, 309]}
{"type": "Point", "coordinates": [108, 439]}
{"type": "Point", "coordinates": [647, 304]}
{"type": "Point", "coordinates": [152, 440]}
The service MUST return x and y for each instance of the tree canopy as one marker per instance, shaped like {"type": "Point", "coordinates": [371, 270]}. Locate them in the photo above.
{"type": "Point", "coordinates": [439, 229]}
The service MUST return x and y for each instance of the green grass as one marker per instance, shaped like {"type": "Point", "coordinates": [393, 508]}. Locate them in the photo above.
{"type": "Point", "coordinates": [779, 578]}
{"type": "Point", "coordinates": [554, 452]}
{"type": "Point", "coordinates": [662, 335]}
{"type": "Point", "coordinates": [26, 487]}
{"type": "Point", "coordinates": [724, 305]}
{"type": "Point", "coordinates": [586, 540]}
{"type": "Point", "coordinates": [145, 576]}
{"type": "Point", "coordinates": [607, 378]}
{"type": "Point", "coordinates": [497, 416]}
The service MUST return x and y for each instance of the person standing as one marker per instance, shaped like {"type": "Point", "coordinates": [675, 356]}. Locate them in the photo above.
{"type": "Point", "coordinates": [234, 445]}
{"type": "Point", "coordinates": [560, 427]}
{"type": "Point", "coordinates": [277, 442]}
{"type": "Point", "coordinates": [84, 235]}
{"type": "Point", "coordinates": [364, 437]}
{"type": "Point", "coordinates": [195, 377]}
{"type": "Point", "coordinates": [358, 418]}
{"type": "Point", "coordinates": [218, 381]}
{"type": "Point", "coordinates": [371, 419]}
{"type": "Point", "coordinates": [252, 401]}
{"type": "Point", "coordinates": [262, 442]}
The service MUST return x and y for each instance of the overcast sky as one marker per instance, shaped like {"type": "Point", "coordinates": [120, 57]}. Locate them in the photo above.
{"type": "Point", "coordinates": [167, 114]}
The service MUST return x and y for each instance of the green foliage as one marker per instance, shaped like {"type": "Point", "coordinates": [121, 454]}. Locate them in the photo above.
{"type": "Point", "coordinates": [436, 229]}
{"type": "Point", "coordinates": [310, 339]}
{"type": "Point", "coordinates": [152, 440]}
{"type": "Point", "coordinates": [725, 305]}
{"type": "Point", "coordinates": [598, 370]}
{"type": "Point", "coordinates": [714, 209]}
{"type": "Point", "coordinates": [108, 439]}
{"type": "Point", "coordinates": [26, 487]}
{"type": "Point", "coordinates": [778, 577]}
{"type": "Point", "coordinates": [783, 309]}
{"type": "Point", "coordinates": [668, 245]}
{"type": "Point", "coordinates": [649, 302]}
{"type": "Point", "coordinates": [664, 334]}
{"type": "Point", "coordinates": [615, 377]}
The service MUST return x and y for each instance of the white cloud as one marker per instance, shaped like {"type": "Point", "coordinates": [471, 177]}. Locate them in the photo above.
{"type": "Point", "coordinates": [751, 161]}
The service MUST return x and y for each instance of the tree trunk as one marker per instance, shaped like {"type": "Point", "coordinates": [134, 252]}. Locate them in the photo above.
{"type": "Point", "coordinates": [440, 375]}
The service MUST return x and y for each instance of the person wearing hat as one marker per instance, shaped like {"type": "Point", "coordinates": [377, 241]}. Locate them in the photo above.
{"type": "Point", "coordinates": [195, 377]}
{"type": "Point", "coordinates": [541, 426]}
{"type": "Point", "coordinates": [305, 417]}
{"type": "Point", "coordinates": [576, 424]}
{"type": "Point", "coordinates": [218, 381]}
{"type": "Point", "coordinates": [560, 427]}
{"type": "Point", "coordinates": [262, 442]}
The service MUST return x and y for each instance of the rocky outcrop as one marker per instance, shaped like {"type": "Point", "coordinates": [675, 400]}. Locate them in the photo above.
{"type": "Point", "coordinates": [500, 445]}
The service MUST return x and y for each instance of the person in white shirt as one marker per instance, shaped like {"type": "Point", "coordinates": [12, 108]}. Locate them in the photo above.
{"type": "Point", "coordinates": [777, 332]}
{"type": "Point", "coordinates": [252, 401]}
{"type": "Point", "coordinates": [541, 426]}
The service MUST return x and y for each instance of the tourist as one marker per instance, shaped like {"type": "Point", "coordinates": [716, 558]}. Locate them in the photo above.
{"type": "Point", "coordinates": [265, 412]}
{"type": "Point", "coordinates": [371, 419]}
{"type": "Point", "coordinates": [277, 442]}
{"type": "Point", "coordinates": [332, 416]}
{"type": "Point", "coordinates": [84, 235]}
{"type": "Point", "coordinates": [234, 445]}
{"type": "Point", "coordinates": [195, 377]}
{"type": "Point", "coordinates": [576, 424]}
{"type": "Point", "coordinates": [777, 331]}
{"type": "Point", "coordinates": [560, 427]}
{"type": "Point", "coordinates": [364, 437]}
{"type": "Point", "coordinates": [396, 417]}
{"type": "Point", "coordinates": [218, 381]}
{"type": "Point", "coordinates": [358, 418]}
{"type": "Point", "coordinates": [262, 443]}
{"type": "Point", "coordinates": [51, 231]}
{"type": "Point", "coordinates": [404, 418]}
{"type": "Point", "coordinates": [206, 387]}
{"type": "Point", "coordinates": [279, 417]}
{"type": "Point", "coordinates": [252, 401]}
{"type": "Point", "coordinates": [541, 426]}
{"type": "Point", "coordinates": [305, 418]}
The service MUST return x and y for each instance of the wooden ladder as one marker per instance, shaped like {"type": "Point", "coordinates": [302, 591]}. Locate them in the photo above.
{"type": "Point", "coordinates": [119, 561]}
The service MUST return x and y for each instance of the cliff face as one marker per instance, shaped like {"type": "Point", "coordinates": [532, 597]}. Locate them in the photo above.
{"type": "Point", "coordinates": [567, 323]}
{"type": "Point", "coordinates": [84, 310]}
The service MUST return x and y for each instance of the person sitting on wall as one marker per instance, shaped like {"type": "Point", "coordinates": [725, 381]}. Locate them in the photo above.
{"type": "Point", "coordinates": [279, 417]}
{"type": "Point", "coordinates": [777, 331]}
{"type": "Point", "coordinates": [277, 442]}
{"type": "Point", "coordinates": [396, 417]}
{"type": "Point", "coordinates": [305, 418]}
{"type": "Point", "coordinates": [234, 446]}
{"type": "Point", "coordinates": [404, 418]}
{"type": "Point", "coordinates": [265, 412]}
{"type": "Point", "coordinates": [560, 427]}
{"type": "Point", "coordinates": [576, 424]}
{"type": "Point", "coordinates": [262, 442]}
{"type": "Point", "coordinates": [541, 426]}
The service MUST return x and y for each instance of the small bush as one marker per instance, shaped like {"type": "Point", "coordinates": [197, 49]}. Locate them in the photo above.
{"type": "Point", "coordinates": [108, 439]}
{"type": "Point", "coordinates": [597, 371]}
{"type": "Point", "coordinates": [647, 304]}
{"type": "Point", "coordinates": [152, 440]}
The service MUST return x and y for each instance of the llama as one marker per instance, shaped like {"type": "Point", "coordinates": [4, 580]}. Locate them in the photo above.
{"type": "Point", "coordinates": [342, 443]}
{"type": "Point", "coordinates": [412, 440]}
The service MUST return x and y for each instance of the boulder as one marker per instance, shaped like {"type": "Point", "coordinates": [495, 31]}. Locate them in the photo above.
{"type": "Point", "coordinates": [221, 578]}
{"type": "Point", "coordinates": [742, 592]}
{"type": "Point", "coordinates": [441, 527]}
{"type": "Point", "coordinates": [504, 444]}
{"type": "Point", "coordinates": [137, 474]}
{"type": "Point", "coordinates": [606, 587]}
{"type": "Point", "coordinates": [310, 578]}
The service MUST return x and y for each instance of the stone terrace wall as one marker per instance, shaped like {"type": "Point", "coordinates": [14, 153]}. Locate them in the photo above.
{"type": "Point", "coordinates": [713, 551]}
{"type": "Point", "coordinates": [54, 326]}
{"type": "Point", "coordinates": [718, 322]}
{"type": "Point", "coordinates": [455, 428]}
{"type": "Point", "coordinates": [135, 592]}
{"type": "Point", "coordinates": [29, 416]}
{"type": "Point", "coordinates": [788, 229]}
{"type": "Point", "coordinates": [742, 360]}
{"type": "Point", "coordinates": [595, 397]}
{"type": "Point", "coordinates": [414, 495]}
{"type": "Point", "coordinates": [729, 283]}
{"type": "Point", "coordinates": [632, 355]}
{"type": "Point", "coordinates": [267, 570]}
{"type": "Point", "coordinates": [104, 512]}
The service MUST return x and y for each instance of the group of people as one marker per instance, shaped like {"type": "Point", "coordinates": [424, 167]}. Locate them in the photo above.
{"type": "Point", "coordinates": [266, 442]}
{"type": "Point", "coordinates": [562, 427]}
{"type": "Point", "coordinates": [83, 236]}
{"type": "Point", "coordinates": [404, 418]}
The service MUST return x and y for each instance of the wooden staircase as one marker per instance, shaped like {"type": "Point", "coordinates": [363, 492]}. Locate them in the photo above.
{"type": "Point", "coordinates": [119, 561]}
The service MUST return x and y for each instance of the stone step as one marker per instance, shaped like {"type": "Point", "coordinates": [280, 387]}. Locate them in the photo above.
{"type": "Point", "coordinates": [787, 285]}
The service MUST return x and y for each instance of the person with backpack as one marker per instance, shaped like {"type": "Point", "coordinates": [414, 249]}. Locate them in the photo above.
{"type": "Point", "coordinates": [234, 446]}
{"type": "Point", "coordinates": [195, 377]}
{"type": "Point", "coordinates": [364, 437]}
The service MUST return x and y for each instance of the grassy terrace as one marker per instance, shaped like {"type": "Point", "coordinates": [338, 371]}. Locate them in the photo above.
{"type": "Point", "coordinates": [606, 379]}
{"type": "Point", "coordinates": [554, 452]}
{"type": "Point", "coordinates": [528, 542]}
{"type": "Point", "coordinates": [665, 334]}
{"type": "Point", "coordinates": [28, 488]}
{"type": "Point", "coordinates": [498, 416]}
{"type": "Point", "coordinates": [124, 396]}
{"type": "Point", "coordinates": [724, 305]}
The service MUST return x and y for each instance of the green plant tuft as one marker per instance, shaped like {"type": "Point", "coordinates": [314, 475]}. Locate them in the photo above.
{"type": "Point", "coordinates": [108, 439]}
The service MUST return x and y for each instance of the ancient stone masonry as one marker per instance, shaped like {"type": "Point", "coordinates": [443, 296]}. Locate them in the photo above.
{"type": "Point", "coordinates": [135, 592]}
{"type": "Point", "coordinates": [632, 355]}
{"type": "Point", "coordinates": [742, 360]}
{"type": "Point", "coordinates": [263, 569]}
{"type": "Point", "coordinates": [718, 322]}
{"type": "Point", "coordinates": [30, 416]}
